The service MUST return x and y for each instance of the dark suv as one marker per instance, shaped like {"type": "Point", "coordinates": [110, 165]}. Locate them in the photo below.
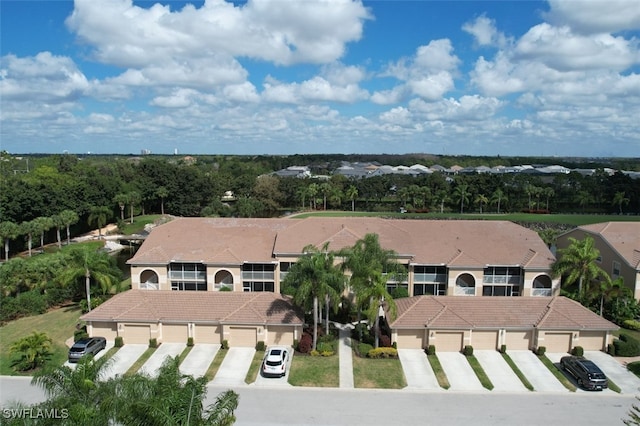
{"type": "Point", "coordinates": [89, 345]}
{"type": "Point", "coordinates": [586, 372]}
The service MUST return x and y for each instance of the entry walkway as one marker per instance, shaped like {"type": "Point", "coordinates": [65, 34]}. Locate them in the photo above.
{"type": "Point", "coordinates": [345, 353]}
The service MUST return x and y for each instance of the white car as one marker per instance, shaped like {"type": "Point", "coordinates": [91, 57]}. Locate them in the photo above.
{"type": "Point", "coordinates": [275, 362]}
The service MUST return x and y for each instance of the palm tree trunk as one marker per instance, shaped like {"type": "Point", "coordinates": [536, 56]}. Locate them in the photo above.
{"type": "Point", "coordinates": [315, 322]}
{"type": "Point", "coordinates": [376, 331]}
{"type": "Point", "coordinates": [68, 236]}
{"type": "Point", "coordinates": [6, 250]}
{"type": "Point", "coordinates": [326, 329]}
{"type": "Point", "coordinates": [87, 282]}
{"type": "Point", "coordinates": [58, 237]}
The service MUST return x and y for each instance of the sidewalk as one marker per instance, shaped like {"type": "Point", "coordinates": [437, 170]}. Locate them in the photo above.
{"type": "Point", "coordinates": [346, 356]}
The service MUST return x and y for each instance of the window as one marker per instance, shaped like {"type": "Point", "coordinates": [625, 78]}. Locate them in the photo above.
{"type": "Point", "coordinates": [615, 273]}
{"type": "Point", "coordinates": [502, 281]}
{"type": "Point", "coordinates": [500, 290]}
{"type": "Point", "coordinates": [258, 277]}
{"type": "Point", "coordinates": [430, 280]}
{"type": "Point", "coordinates": [188, 276]}
{"type": "Point", "coordinates": [284, 269]}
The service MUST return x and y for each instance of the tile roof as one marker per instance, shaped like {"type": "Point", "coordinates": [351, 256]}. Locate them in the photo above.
{"type": "Point", "coordinates": [457, 243]}
{"type": "Point", "coordinates": [198, 307]}
{"type": "Point", "coordinates": [623, 237]}
{"type": "Point", "coordinates": [455, 312]}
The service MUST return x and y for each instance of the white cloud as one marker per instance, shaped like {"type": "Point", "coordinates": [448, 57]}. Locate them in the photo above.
{"type": "Point", "coordinates": [315, 89]}
{"type": "Point", "coordinates": [595, 16]}
{"type": "Point", "coordinates": [485, 32]}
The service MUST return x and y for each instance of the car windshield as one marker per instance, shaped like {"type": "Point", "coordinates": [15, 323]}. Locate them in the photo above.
{"type": "Point", "coordinates": [77, 349]}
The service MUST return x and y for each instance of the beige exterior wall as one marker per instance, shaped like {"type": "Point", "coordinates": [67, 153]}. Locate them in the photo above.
{"type": "Point", "coordinates": [484, 340]}
{"type": "Point", "coordinates": [453, 277]}
{"type": "Point", "coordinates": [556, 341]}
{"type": "Point", "coordinates": [241, 336]}
{"type": "Point", "coordinates": [135, 333]}
{"type": "Point", "coordinates": [447, 341]}
{"type": "Point", "coordinates": [592, 340]}
{"type": "Point", "coordinates": [518, 340]}
{"type": "Point", "coordinates": [174, 333]}
{"type": "Point", "coordinates": [409, 339]}
{"type": "Point", "coordinates": [161, 271]}
{"type": "Point", "coordinates": [207, 333]}
{"type": "Point", "coordinates": [280, 335]}
{"type": "Point", "coordinates": [234, 270]}
{"type": "Point", "coordinates": [108, 330]}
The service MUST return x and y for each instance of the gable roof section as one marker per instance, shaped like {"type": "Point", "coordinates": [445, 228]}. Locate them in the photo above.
{"type": "Point", "coordinates": [455, 312]}
{"type": "Point", "coordinates": [198, 307]}
{"type": "Point", "coordinates": [622, 237]}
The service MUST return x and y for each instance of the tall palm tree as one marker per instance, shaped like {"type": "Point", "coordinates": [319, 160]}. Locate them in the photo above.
{"type": "Point", "coordinates": [620, 198]}
{"type": "Point", "coordinates": [58, 223]}
{"type": "Point", "coordinates": [352, 194]}
{"type": "Point", "coordinates": [497, 197]}
{"type": "Point", "coordinates": [134, 198]}
{"type": "Point", "coordinates": [313, 277]}
{"type": "Point", "coordinates": [83, 262]}
{"type": "Point", "coordinates": [42, 225]}
{"type": "Point", "coordinates": [121, 200]}
{"type": "Point", "coordinates": [312, 191]}
{"type": "Point", "coordinates": [325, 189]}
{"type": "Point", "coordinates": [69, 217]}
{"type": "Point", "coordinates": [548, 193]}
{"type": "Point", "coordinates": [163, 193]}
{"type": "Point", "coordinates": [8, 231]}
{"type": "Point", "coordinates": [608, 289]}
{"type": "Point", "coordinates": [98, 216]}
{"type": "Point", "coordinates": [461, 193]}
{"type": "Point", "coordinates": [29, 229]}
{"type": "Point", "coordinates": [481, 200]}
{"type": "Point", "coordinates": [442, 196]}
{"type": "Point", "coordinates": [577, 263]}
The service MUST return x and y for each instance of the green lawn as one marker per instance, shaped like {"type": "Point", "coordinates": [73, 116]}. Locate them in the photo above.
{"type": "Point", "coordinates": [317, 371]}
{"type": "Point", "coordinates": [138, 223]}
{"type": "Point", "coordinates": [58, 324]}
{"type": "Point", "coordinates": [385, 373]}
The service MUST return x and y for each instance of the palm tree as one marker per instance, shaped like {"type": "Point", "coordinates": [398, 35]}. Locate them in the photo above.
{"type": "Point", "coordinates": [83, 262]}
{"type": "Point", "coordinates": [549, 236]}
{"type": "Point", "coordinates": [42, 225]}
{"type": "Point", "coordinates": [33, 351]}
{"type": "Point", "coordinates": [461, 193]}
{"type": "Point", "coordinates": [577, 263]}
{"type": "Point", "coordinates": [619, 199]}
{"type": "Point", "coordinates": [325, 189]}
{"type": "Point", "coordinates": [58, 223]}
{"type": "Point", "coordinates": [99, 216]}
{"type": "Point", "coordinates": [69, 217]}
{"type": "Point", "coordinates": [8, 231]}
{"type": "Point", "coordinates": [313, 277]}
{"type": "Point", "coordinates": [301, 193]}
{"type": "Point", "coordinates": [443, 197]}
{"type": "Point", "coordinates": [584, 199]}
{"type": "Point", "coordinates": [548, 193]}
{"type": "Point", "coordinates": [312, 191]}
{"type": "Point", "coordinates": [352, 194]}
{"type": "Point", "coordinates": [497, 197]}
{"type": "Point", "coordinates": [163, 193]}
{"type": "Point", "coordinates": [121, 200]}
{"type": "Point", "coordinates": [481, 200]}
{"type": "Point", "coordinates": [608, 289]}
{"type": "Point", "coordinates": [134, 199]}
{"type": "Point", "coordinates": [29, 228]}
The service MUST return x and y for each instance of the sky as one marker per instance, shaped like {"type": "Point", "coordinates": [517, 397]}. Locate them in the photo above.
{"type": "Point", "coordinates": [527, 78]}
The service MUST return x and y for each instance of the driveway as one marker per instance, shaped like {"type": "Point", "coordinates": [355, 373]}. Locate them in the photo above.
{"type": "Point", "coordinates": [124, 359]}
{"type": "Point", "coordinates": [499, 372]}
{"type": "Point", "coordinates": [277, 381]}
{"type": "Point", "coordinates": [199, 359]}
{"type": "Point", "coordinates": [98, 355]}
{"type": "Point", "coordinates": [555, 357]}
{"type": "Point", "coordinates": [234, 368]}
{"type": "Point", "coordinates": [155, 361]}
{"type": "Point", "coordinates": [417, 370]}
{"type": "Point", "coordinates": [627, 381]}
{"type": "Point", "coordinates": [459, 372]}
{"type": "Point", "coordinates": [536, 372]}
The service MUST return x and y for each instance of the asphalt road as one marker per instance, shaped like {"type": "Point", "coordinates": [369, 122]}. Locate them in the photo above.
{"type": "Point", "coordinates": [327, 407]}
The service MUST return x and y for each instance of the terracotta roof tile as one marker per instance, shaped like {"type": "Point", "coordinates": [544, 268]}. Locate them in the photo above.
{"type": "Point", "coordinates": [624, 237]}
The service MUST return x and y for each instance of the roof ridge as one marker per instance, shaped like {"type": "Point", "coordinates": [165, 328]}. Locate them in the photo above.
{"type": "Point", "coordinates": [551, 309]}
{"type": "Point", "coordinates": [531, 254]}
{"type": "Point", "coordinates": [440, 313]}
{"type": "Point", "coordinates": [545, 313]}
{"type": "Point", "coordinates": [411, 306]}
{"type": "Point", "coordinates": [249, 302]}
{"type": "Point", "coordinates": [455, 256]}
{"type": "Point", "coordinates": [636, 258]}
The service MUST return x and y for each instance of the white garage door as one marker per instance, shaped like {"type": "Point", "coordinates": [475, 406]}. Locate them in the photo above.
{"type": "Point", "coordinates": [175, 333]}
{"type": "Point", "coordinates": [448, 341]}
{"type": "Point", "coordinates": [592, 340]}
{"type": "Point", "coordinates": [137, 333]}
{"type": "Point", "coordinates": [556, 342]}
{"type": "Point", "coordinates": [242, 337]}
{"type": "Point", "coordinates": [519, 340]}
{"type": "Point", "coordinates": [484, 340]}
{"type": "Point", "coordinates": [410, 339]}
{"type": "Point", "coordinates": [208, 334]}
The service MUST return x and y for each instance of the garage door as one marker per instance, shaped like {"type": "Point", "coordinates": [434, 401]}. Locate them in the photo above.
{"type": "Point", "coordinates": [242, 337]}
{"type": "Point", "coordinates": [280, 335]}
{"type": "Point", "coordinates": [592, 340]}
{"type": "Point", "coordinates": [519, 340]}
{"type": "Point", "coordinates": [137, 334]}
{"type": "Point", "coordinates": [108, 330]}
{"type": "Point", "coordinates": [448, 342]}
{"type": "Point", "coordinates": [207, 334]}
{"type": "Point", "coordinates": [556, 342]}
{"type": "Point", "coordinates": [175, 333]}
{"type": "Point", "coordinates": [410, 339]}
{"type": "Point", "coordinates": [487, 340]}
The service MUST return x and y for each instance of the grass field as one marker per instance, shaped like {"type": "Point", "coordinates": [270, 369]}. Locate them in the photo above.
{"type": "Point", "coordinates": [558, 219]}
{"type": "Point", "coordinates": [58, 324]}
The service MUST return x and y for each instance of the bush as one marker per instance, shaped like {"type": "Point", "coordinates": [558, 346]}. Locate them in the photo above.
{"type": "Point", "coordinates": [363, 349]}
{"type": "Point", "coordinates": [431, 350]}
{"type": "Point", "coordinates": [31, 303]}
{"type": "Point", "coordinates": [225, 344]}
{"type": "Point", "coordinates": [577, 351]}
{"type": "Point", "coordinates": [394, 345]}
{"type": "Point", "coordinates": [634, 367]}
{"type": "Point", "coordinates": [541, 350]}
{"type": "Point", "coordinates": [631, 324]}
{"type": "Point", "coordinates": [296, 344]}
{"type": "Point", "coordinates": [626, 346]}
{"type": "Point", "coordinates": [325, 347]}
{"type": "Point", "coordinates": [384, 341]}
{"type": "Point", "coordinates": [467, 350]}
{"type": "Point", "coordinates": [503, 349]}
{"type": "Point", "coordinates": [189, 341]}
{"type": "Point", "coordinates": [118, 343]}
{"type": "Point", "coordinates": [382, 353]}
{"type": "Point", "coordinates": [306, 343]}
{"type": "Point", "coordinates": [260, 346]}
{"type": "Point", "coordinates": [399, 292]}
{"type": "Point", "coordinates": [611, 349]}
{"type": "Point", "coordinates": [153, 343]}
{"type": "Point", "coordinates": [80, 334]}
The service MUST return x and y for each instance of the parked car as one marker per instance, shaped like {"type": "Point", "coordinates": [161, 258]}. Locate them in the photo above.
{"type": "Point", "coordinates": [88, 345]}
{"type": "Point", "coordinates": [587, 373]}
{"type": "Point", "coordinates": [275, 362]}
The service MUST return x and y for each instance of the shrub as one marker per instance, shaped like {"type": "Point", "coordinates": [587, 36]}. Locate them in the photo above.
{"type": "Point", "coordinates": [260, 346]}
{"type": "Point", "coordinates": [118, 343]}
{"type": "Point", "coordinates": [306, 343]}
{"type": "Point", "coordinates": [611, 349]}
{"type": "Point", "coordinates": [31, 303]}
{"type": "Point", "coordinates": [431, 350]}
{"type": "Point", "coordinates": [327, 353]}
{"type": "Point", "coordinates": [503, 349]}
{"type": "Point", "coordinates": [384, 341]}
{"type": "Point", "coordinates": [80, 334]}
{"type": "Point", "coordinates": [314, 353]}
{"type": "Point", "coordinates": [541, 350]}
{"type": "Point", "coordinates": [399, 292]}
{"type": "Point", "coordinates": [394, 345]}
{"type": "Point", "coordinates": [577, 351]}
{"type": "Point", "coordinates": [296, 344]}
{"type": "Point", "coordinates": [32, 351]}
{"type": "Point", "coordinates": [225, 344]}
{"type": "Point", "coordinates": [325, 346]}
{"type": "Point", "coordinates": [634, 367]}
{"type": "Point", "coordinates": [626, 346]}
{"type": "Point", "coordinates": [467, 350]}
{"type": "Point", "coordinates": [382, 353]}
{"type": "Point", "coordinates": [631, 324]}
{"type": "Point", "coordinates": [189, 341]}
{"type": "Point", "coordinates": [363, 349]}
{"type": "Point", "coordinates": [153, 343]}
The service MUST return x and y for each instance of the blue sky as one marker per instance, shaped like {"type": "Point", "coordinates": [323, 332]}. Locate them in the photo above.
{"type": "Point", "coordinates": [539, 78]}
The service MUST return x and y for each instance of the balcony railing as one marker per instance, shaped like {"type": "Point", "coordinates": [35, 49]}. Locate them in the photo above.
{"type": "Point", "coordinates": [542, 292]}
{"type": "Point", "coordinates": [465, 291]}
{"type": "Point", "coordinates": [188, 275]}
{"type": "Point", "coordinates": [429, 278]}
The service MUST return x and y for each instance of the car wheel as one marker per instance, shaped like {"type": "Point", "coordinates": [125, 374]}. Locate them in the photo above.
{"type": "Point", "coordinates": [580, 383]}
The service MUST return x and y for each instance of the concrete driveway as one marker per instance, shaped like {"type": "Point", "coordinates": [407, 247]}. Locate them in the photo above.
{"type": "Point", "coordinates": [199, 359]}
{"type": "Point", "coordinates": [536, 372]}
{"type": "Point", "coordinates": [417, 370]}
{"type": "Point", "coordinates": [628, 382]}
{"type": "Point", "coordinates": [499, 372]}
{"type": "Point", "coordinates": [459, 372]}
{"type": "Point", "coordinates": [277, 381]}
{"type": "Point", "coordinates": [234, 368]}
{"type": "Point", "coordinates": [164, 351]}
{"type": "Point", "coordinates": [98, 355]}
{"type": "Point", "coordinates": [124, 359]}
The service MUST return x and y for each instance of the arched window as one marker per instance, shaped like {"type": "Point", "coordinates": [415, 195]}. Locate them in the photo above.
{"type": "Point", "coordinates": [149, 280]}
{"type": "Point", "coordinates": [541, 286]}
{"type": "Point", "coordinates": [223, 279]}
{"type": "Point", "coordinates": [465, 285]}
